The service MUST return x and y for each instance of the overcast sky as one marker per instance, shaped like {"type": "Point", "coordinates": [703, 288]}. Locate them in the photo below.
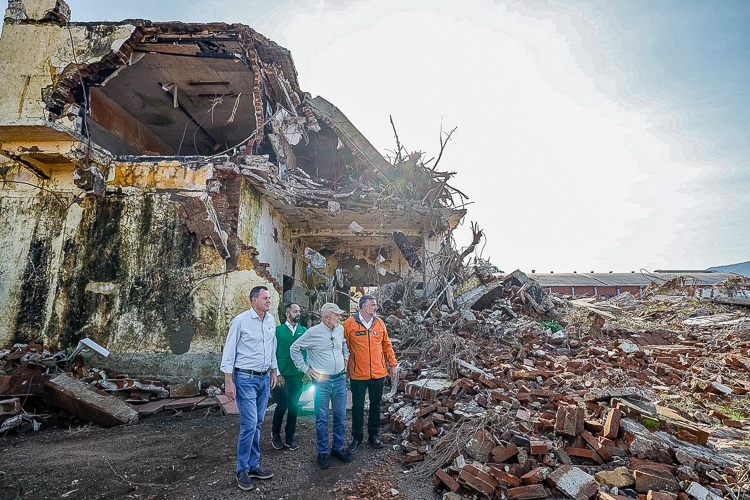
{"type": "Point", "coordinates": [591, 135]}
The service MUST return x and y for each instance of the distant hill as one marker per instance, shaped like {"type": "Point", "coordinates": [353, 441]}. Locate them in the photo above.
{"type": "Point", "coordinates": [742, 268]}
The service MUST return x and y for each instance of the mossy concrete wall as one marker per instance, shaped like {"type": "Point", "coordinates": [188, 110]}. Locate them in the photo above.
{"type": "Point", "coordinates": [259, 225]}
{"type": "Point", "coordinates": [121, 269]}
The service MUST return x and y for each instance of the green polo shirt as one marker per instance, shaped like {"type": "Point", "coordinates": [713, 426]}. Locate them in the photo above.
{"type": "Point", "coordinates": [285, 338]}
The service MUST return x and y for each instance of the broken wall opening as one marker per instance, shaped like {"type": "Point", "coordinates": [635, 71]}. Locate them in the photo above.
{"type": "Point", "coordinates": [175, 99]}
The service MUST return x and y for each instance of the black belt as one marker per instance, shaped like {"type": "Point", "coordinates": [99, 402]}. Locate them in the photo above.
{"type": "Point", "coordinates": [251, 372]}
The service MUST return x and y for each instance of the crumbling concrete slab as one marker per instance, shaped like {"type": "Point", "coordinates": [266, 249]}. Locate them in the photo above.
{"type": "Point", "coordinates": [427, 388]}
{"type": "Point", "coordinates": [87, 402]}
{"type": "Point", "coordinates": [573, 482]}
{"type": "Point", "coordinates": [695, 490]}
{"type": "Point", "coordinates": [471, 371]}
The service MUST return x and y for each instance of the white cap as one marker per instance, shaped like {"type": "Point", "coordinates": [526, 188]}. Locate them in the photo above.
{"type": "Point", "coordinates": [330, 307]}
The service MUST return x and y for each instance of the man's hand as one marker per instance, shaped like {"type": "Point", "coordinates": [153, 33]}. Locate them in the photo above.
{"type": "Point", "coordinates": [274, 379]}
{"type": "Point", "coordinates": [314, 375]}
{"type": "Point", "coordinates": [393, 371]}
{"type": "Point", "coordinates": [229, 388]}
{"type": "Point", "coordinates": [280, 381]}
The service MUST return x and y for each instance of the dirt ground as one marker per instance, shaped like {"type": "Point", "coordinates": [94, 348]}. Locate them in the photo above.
{"type": "Point", "coordinates": [188, 456]}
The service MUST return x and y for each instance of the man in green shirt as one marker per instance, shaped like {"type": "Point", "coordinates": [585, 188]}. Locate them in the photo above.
{"type": "Point", "coordinates": [289, 382]}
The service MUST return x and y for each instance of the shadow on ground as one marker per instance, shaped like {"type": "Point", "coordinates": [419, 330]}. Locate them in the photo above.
{"type": "Point", "coordinates": [185, 456]}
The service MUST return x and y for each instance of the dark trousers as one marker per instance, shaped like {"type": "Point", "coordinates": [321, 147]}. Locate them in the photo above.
{"type": "Point", "coordinates": [287, 399]}
{"type": "Point", "coordinates": [374, 387]}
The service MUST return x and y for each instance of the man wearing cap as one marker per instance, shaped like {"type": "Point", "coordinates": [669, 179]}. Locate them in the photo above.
{"type": "Point", "coordinates": [327, 355]}
{"type": "Point", "coordinates": [371, 360]}
{"type": "Point", "coordinates": [249, 366]}
{"type": "Point", "coordinates": [289, 385]}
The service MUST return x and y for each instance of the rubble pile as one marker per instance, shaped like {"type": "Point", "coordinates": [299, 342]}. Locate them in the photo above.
{"type": "Point", "coordinates": [526, 395]}
{"type": "Point", "coordinates": [39, 388]}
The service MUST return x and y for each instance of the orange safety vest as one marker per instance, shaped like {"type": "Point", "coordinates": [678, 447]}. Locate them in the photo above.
{"type": "Point", "coordinates": [368, 349]}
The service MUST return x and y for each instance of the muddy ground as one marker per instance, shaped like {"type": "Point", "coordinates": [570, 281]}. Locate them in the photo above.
{"type": "Point", "coordinates": [187, 456]}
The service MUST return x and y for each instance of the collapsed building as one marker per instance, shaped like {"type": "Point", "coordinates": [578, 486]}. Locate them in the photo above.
{"type": "Point", "coordinates": [152, 173]}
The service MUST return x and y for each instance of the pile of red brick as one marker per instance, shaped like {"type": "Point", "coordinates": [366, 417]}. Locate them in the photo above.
{"type": "Point", "coordinates": [581, 417]}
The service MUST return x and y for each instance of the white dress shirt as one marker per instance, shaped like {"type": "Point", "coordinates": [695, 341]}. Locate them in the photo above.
{"type": "Point", "coordinates": [251, 343]}
{"type": "Point", "coordinates": [367, 324]}
{"type": "Point", "coordinates": [292, 328]}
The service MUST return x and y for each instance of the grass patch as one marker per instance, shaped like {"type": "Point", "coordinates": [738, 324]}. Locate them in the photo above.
{"type": "Point", "coordinates": [650, 424]}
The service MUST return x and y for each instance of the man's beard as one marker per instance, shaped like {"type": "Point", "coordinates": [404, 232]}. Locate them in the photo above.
{"type": "Point", "coordinates": [294, 321]}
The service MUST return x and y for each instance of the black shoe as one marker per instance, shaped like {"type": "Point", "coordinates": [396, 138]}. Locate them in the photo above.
{"type": "Point", "coordinates": [244, 481]}
{"type": "Point", "coordinates": [342, 455]}
{"type": "Point", "coordinates": [354, 446]}
{"type": "Point", "coordinates": [260, 473]}
{"type": "Point", "coordinates": [324, 460]}
{"type": "Point", "coordinates": [375, 442]}
{"type": "Point", "coordinates": [276, 442]}
{"type": "Point", "coordinates": [292, 444]}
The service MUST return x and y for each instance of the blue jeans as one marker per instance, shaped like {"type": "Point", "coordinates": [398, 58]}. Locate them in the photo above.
{"type": "Point", "coordinates": [252, 399]}
{"type": "Point", "coordinates": [333, 391]}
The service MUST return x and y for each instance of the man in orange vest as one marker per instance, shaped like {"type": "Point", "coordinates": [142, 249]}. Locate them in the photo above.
{"type": "Point", "coordinates": [371, 359]}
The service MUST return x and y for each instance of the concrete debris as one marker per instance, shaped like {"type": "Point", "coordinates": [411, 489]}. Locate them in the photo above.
{"type": "Point", "coordinates": [88, 403]}
{"type": "Point", "coordinates": [334, 208]}
{"type": "Point", "coordinates": [315, 259]}
{"type": "Point", "coordinates": [573, 482]}
{"type": "Point", "coordinates": [698, 492]}
{"type": "Point", "coordinates": [30, 378]}
{"type": "Point", "coordinates": [355, 228]}
{"type": "Point", "coordinates": [620, 477]}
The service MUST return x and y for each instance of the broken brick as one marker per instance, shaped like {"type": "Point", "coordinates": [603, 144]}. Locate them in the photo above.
{"type": "Point", "coordinates": [507, 478]}
{"type": "Point", "coordinates": [569, 421]}
{"type": "Point", "coordinates": [535, 475]}
{"type": "Point", "coordinates": [526, 492]}
{"type": "Point", "coordinates": [502, 453]}
{"type": "Point", "coordinates": [612, 425]}
{"type": "Point", "coordinates": [596, 445]}
{"type": "Point", "coordinates": [475, 483]}
{"type": "Point", "coordinates": [538, 447]}
{"type": "Point", "coordinates": [448, 481]}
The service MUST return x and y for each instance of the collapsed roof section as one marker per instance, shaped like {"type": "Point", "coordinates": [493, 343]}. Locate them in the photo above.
{"type": "Point", "coordinates": [171, 89]}
{"type": "Point", "coordinates": [211, 95]}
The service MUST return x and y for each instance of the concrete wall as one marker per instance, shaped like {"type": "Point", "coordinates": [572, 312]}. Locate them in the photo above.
{"type": "Point", "coordinates": [260, 226]}
{"type": "Point", "coordinates": [121, 269]}
{"type": "Point", "coordinates": [34, 55]}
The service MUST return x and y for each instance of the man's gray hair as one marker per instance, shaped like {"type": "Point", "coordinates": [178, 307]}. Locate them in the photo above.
{"type": "Point", "coordinates": [365, 299]}
{"type": "Point", "coordinates": [256, 291]}
{"type": "Point", "coordinates": [289, 306]}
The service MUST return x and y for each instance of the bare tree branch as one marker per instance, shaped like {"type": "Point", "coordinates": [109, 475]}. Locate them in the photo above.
{"type": "Point", "coordinates": [399, 148]}
{"type": "Point", "coordinates": [443, 143]}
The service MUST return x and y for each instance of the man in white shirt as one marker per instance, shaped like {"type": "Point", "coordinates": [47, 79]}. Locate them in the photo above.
{"type": "Point", "coordinates": [249, 366]}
